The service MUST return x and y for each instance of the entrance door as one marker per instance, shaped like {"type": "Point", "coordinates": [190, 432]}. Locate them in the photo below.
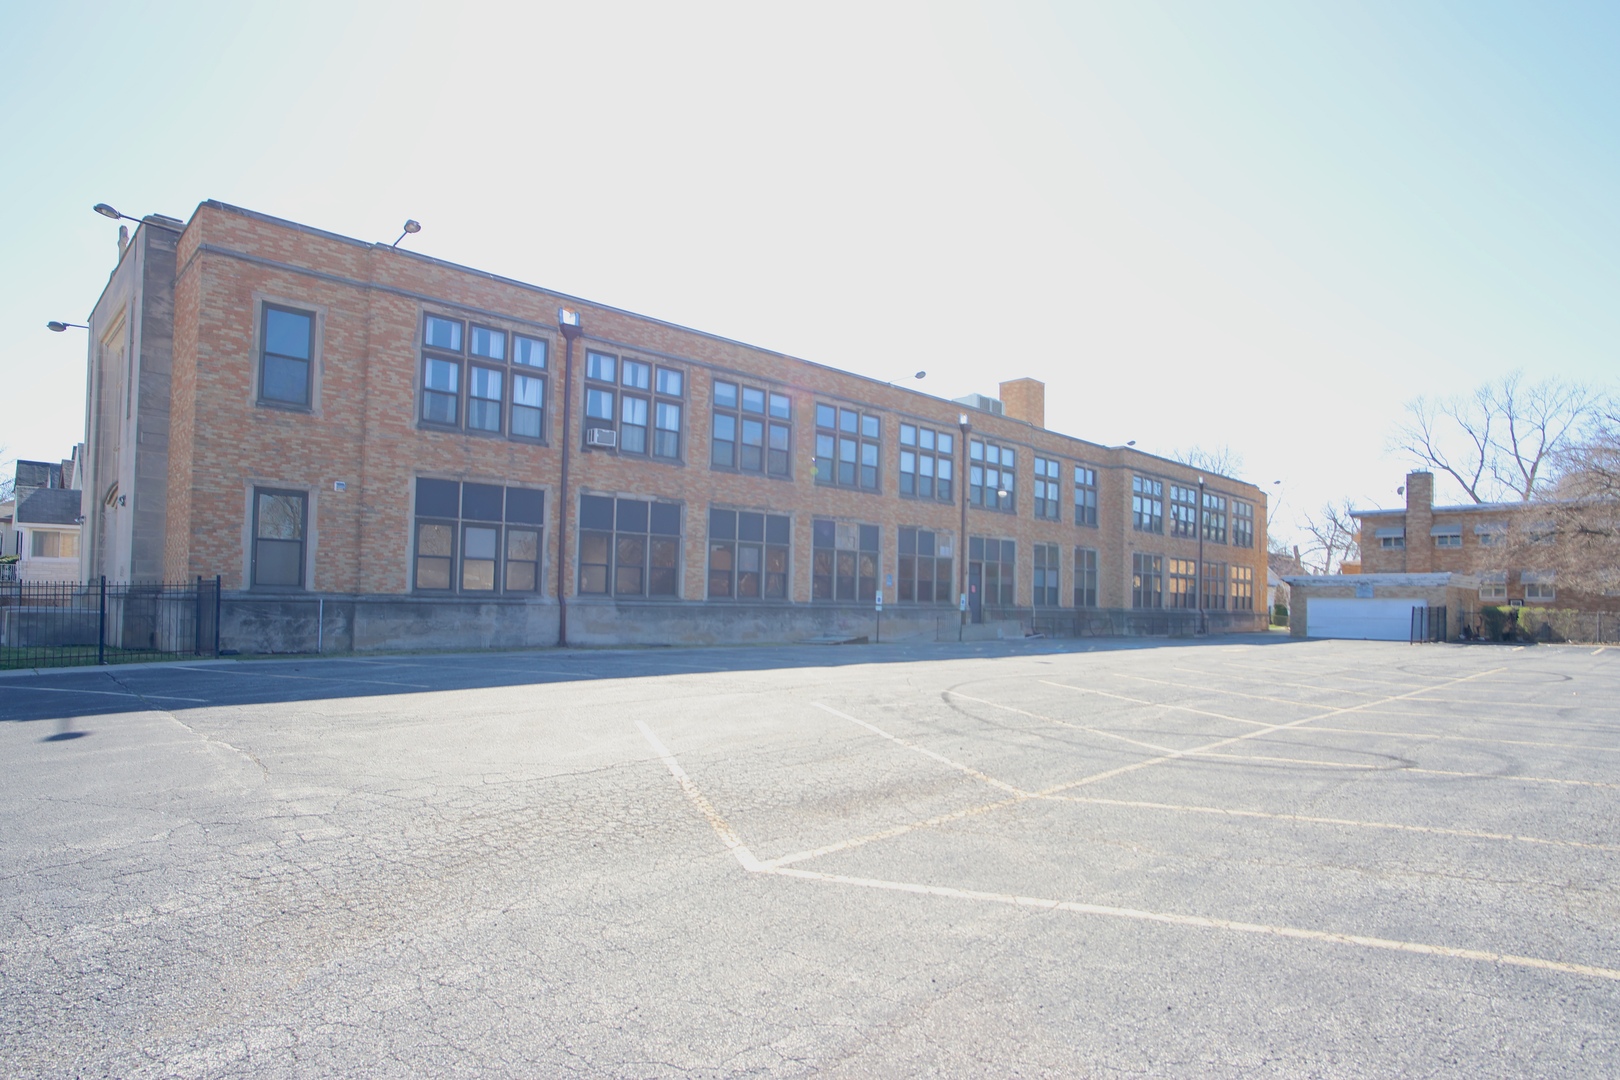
{"type": "Point", "coordinates": [976, 591]}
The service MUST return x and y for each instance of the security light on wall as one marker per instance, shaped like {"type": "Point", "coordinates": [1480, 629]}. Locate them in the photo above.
{"type": "Point", "coordinates": [412, 227]}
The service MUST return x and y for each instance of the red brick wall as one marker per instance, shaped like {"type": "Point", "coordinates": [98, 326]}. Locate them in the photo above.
{"type": "Point", "coordinates": [363, 429]}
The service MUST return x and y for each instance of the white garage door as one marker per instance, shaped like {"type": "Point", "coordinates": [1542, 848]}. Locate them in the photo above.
{"type": "Point", "coordinates": [1372, 620]}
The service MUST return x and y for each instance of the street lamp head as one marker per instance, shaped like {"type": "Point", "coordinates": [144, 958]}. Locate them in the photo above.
{"type": "Point", "coordinates": [56, 327]}
{"type": "Point", "coordinates": [412, 226]}
{"type": "Point", "coordinates": [106, 211]}
{"type": "Point", "coordinates": [920, 375]}
{"type": "Point", "coordinates": [1131, 443]}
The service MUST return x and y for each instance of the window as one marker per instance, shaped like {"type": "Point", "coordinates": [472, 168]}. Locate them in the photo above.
{"type": "Point", "coordinates": [996, 559]}
{"type": "Point", "coordinates": [478, 538]}
{"type": "Point", "coordinates": [847, 447]}
{"type": "Point", "coordinates": [1493, 586]}
{"type": "Point", "coordinates": [925, 567]}
{"type": "Point", "coordinates": [1214, 518]}
{"type": "Point", "coordinates": [1242, 588]}
{"type": "Point", "coordinates": [641, 402]}
{"type": "Point", "coordinates": [1391, 539]}
{"type": "Point", "coordinates": [287, 360]}
{"type": "Point", "coordinates": [1182, 573]}
{"type": "Point", "coordinates": [1147, 581]}
{"type": "Point", "coordinates": [1490, 535]}
{"type": "Point", "coordinates": [1085, 495]}
{"type": "Point", "coordinates": [1085, 577]}
{"type": "Point", "coordinates": [628, 547]}
{"type": "Point", "coordinates": [1214, 586]}
{"type": "Point", "coordinates": [1538, 586]}
{"type": "Point", "coordinates": [992, 474]}
{"type": "Point", "coordinates": [478, 378]}
{"type": "Point", "coordinates": [1242, 524]}
{"type": "Point", "coordinates": [1046, 572]}
{"type": "Point", "coordinates": [1183, 511]}
{"type": "Point", "coordinates": [748, 555]}
{"type": "Point", "coordinates": [45, 544]}
{"type": "Point", "coordinates": [844, 565]}
{"type": "Point", "coordinates": [752, 431]}
{"type": "Point", "coordinates": [1147, 505]}
{"type": "Point", "coordinates": [1047, 475]}
{"type": "Point", "coordinates": [927, 462]}
{"type": "Point", "coordinates": [1446, 536]}
{"type": "Point", "coordinates": [280, 523]}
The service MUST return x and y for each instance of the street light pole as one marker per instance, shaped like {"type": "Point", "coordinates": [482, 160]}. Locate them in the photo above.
{"type": "Point", "coordinates": [1200, 576]}
{"type": "Point", "coordinates": [961, 537]}
{"type": "Point", "coordinates": [568, 323]}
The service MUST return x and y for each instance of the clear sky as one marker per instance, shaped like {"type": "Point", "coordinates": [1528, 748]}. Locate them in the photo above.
{"type": "Point", "coordinates": [1261, 225]}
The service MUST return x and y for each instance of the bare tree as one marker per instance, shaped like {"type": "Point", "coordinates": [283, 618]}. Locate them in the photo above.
{"type": "Point", "coordinates": [1333, 538]}
{"type": "Point", "coordinates": [1576, 532]}
{"type": "Point", "coordinates": [8, 475]}
{"type": "Point", "coordinates": [1222, 461]}
{"type": "Point", "coordinates": [1501, 441]}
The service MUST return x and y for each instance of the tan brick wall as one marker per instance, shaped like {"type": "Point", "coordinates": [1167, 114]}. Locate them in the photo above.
{"type": "Point", "coordinates": [363, 428]}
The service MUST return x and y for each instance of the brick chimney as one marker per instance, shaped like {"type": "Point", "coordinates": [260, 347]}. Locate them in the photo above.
{"type": "Point", "coordinates": [1025, 399]}
{"type": "Point", "coordinates": [1419, 517]}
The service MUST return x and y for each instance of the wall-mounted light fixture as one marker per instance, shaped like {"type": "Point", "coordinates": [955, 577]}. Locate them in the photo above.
{"type": "Point", "coordinates": [412, 227]}
{"type": "Point", "coordinates": [58, 327]}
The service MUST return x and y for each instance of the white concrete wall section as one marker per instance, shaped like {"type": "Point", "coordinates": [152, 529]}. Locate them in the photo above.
{"type": "Point", "coordinates": [1371, 620]}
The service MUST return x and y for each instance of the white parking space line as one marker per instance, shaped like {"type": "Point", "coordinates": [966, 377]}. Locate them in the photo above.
{"type": "Point", "coordinates": [304, 678]}
{"type": "Point", "coordinates": [1156, 748]}
{"type": "Point", "coordinates": [1020, 796]}
{"type": "Point", "coordinates": [1420, 735]}
{"type": "Point", "coordinates": [1469, 834]}
{"type": "Point", "coordinates": [1237, 693]}
{"type": "Point", "coordinates": [941, 758]}
{"type": "Point", "coordinates": [748, 862]}
{"type": "Point", "coordinates": [106, 693]}
{"type": "Point", "coordinates": [1163, 705]}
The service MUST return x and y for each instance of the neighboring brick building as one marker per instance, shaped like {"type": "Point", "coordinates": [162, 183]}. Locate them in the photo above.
{"type": "Point", "coordinates": [381, 438]}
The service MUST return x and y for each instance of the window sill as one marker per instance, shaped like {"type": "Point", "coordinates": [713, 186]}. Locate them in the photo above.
{"type": "Point", "coordinates": [285, 406]}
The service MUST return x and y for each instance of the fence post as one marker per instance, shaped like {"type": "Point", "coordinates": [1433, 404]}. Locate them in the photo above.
{"type": "Point", "coordinates": [101, 625]}
{"type": "Point", "coordinates": [216, 614]}
{"type": "Point", "coordinates": [196, 643]}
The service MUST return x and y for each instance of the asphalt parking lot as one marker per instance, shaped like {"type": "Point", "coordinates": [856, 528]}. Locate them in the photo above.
{"type": "Point", "coordinates": [1245, 857]}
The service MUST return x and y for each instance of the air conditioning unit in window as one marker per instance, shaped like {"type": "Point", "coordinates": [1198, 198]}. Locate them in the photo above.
{"type": "Point", "coordinates": [601, 436]}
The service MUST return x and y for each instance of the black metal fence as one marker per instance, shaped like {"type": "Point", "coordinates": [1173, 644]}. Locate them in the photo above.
{"type": "Point", "coordinates": [50, 624]}
{"type": "Point", "coordinates": [1428, 624]}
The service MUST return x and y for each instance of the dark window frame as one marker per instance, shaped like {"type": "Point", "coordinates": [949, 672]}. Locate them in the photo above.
{"type": "Point", "coordinates": [926, 556]}
{"type": "Point", "coordinates": [653, 398]}
{"type": "Point", "coordinates": [1242, 588]}
{"type": "Point", "coordinates": [1046, 578]}
{"type": "Point", "coordinates": [265, 355]}
{"type": "Point", "coordinates": [508, 368]}
{"type": "Point", "coordinates": [1147, 504]}
{"type": "Point", "coordinates": [936, 460]}
{"type": "Point", "coordinates": [1212, 518]}
{"type": "Point", "coordinates": [1085, 496]}
{"type": "Point", "coordinates": [302, 541]}
{"type": "Point", "coordinates": [1147, 581]}
{"type": "Point", "coordinates": [1181, 584]}
{"type": "Point", "coordinates": [864, 439]}
{"type": "Point", "coordinates": [512, 522]}
{"type": "Point", "coordinates": [660, 574]}
{"type": "Point", "coordinates": [1183, 511]}
{"type": "Point", "coordinates": [775, 462]}
{"type": "Point", "coordinates": [1048, 483]}
{"type": "Point", "coordinates": [979, 467]}
{"type": "Point", "coordinates": [1213, 586]}
{"type": "Point", "coordinates": [737, 549]}
{"type": "Point", "coordinates": [1085, 577]}
{"type": "Point", "coordinates": [1005, 578]}
{"type": "Point", "coordinates": [1242, 524]}
{"type": "Point", "coordinates": [835, 578]}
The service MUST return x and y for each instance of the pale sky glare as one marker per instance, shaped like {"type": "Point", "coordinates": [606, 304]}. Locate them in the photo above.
{"type": "Point", "coordinates": [1261, 225]}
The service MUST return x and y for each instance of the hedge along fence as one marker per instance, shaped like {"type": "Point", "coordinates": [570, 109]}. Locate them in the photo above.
{"type": "Point", "coordinates": [1543, 624]}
